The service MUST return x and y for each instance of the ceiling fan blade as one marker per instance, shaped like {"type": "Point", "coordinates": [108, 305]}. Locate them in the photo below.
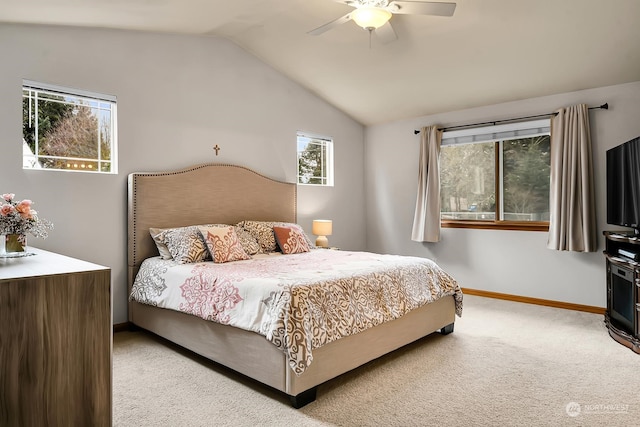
{"type": "Point", "coordinates": [330, 25]}
{"type": "Point", "coordinates": [422, 8]}
{"type": "Point", "coordinates": [386, 33]}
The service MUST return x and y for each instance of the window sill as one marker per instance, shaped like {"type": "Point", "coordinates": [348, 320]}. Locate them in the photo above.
{"type": "Point", "coordinates": [497, 225]}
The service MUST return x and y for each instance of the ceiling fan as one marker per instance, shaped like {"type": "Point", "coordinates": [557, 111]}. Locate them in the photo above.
{"type": "Point", "coordinates": [374, 15]}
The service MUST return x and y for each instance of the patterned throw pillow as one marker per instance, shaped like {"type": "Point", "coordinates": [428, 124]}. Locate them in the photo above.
{"type": "Point", "coordinates": [248, 242]}
{"type": "Point", "coordinates": [262, 231]}
{"type": "Point", "coordinates": [163, 250]}
{"type": "Point", "coordinates": [291, 239]}
{"type": "Point", "coordinates": [223, 244]}
{"type": "Point", "coordinates": [185, 244]}
{"type": "Point", "coordinates": [182, 238]}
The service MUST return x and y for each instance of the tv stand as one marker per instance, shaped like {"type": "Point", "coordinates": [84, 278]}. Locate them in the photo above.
{"type": "Point", "coordinates": [622, 318]}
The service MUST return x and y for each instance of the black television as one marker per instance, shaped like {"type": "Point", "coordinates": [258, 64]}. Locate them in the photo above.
{"type": "Point", "coordinates": [623, 185]}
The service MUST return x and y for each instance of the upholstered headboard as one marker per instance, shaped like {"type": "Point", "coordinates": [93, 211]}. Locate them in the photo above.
{"type": "Point", "coordinates": [208, 193]}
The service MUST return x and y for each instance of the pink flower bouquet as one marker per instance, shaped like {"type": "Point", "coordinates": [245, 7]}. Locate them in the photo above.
{"type": "Point", "coordinates": [19, 218]}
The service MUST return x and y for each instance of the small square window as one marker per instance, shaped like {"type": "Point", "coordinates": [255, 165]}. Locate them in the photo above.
{"type": "Point", "coordinates": [67, 129]}
{"type": "Point", "coordinates": [315, 160]}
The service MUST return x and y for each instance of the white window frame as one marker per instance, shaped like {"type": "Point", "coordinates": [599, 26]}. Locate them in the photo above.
{"type": "Point", "coordinates": [74, 97]}
{"type": "Point", "coordinates": [327, 162]}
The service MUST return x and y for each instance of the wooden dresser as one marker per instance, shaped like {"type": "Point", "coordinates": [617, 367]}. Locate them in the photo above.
{"type": "Point", "coordinates": [55, 341]}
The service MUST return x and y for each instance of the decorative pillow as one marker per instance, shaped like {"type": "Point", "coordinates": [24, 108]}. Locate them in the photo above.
{"type": "Point", "coordinates": [193, 236]}
{"type": "Point", "coordinates": [291, 239]}
{"type": "Point", "coordinates": [223, 244]}
{"type": "Point", "coordinates": [163, 250]}
{"type": "Point", "coordinates": [262, 231]}
{"type": "Point", "coordinates": [248, 242]}
{"type": "Point", "coordinates": [185, 244]}
{"type": "Point", "coordinates": [310, 244]}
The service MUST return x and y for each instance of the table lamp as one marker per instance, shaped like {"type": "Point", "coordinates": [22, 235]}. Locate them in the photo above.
{"type": "Point", "coordinates": [322, 228]}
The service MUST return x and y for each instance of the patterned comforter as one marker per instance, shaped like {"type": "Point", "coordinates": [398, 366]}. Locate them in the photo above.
{"type": "Point", "coordinates": [298, 302]}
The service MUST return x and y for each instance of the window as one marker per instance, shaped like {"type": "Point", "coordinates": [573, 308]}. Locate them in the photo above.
{"type": "Point", "coordinates": [496, 177]}
{"type": "Point", "coordinates": [315, 160]}
{"type": "Point", "coordinates": [68, 129]}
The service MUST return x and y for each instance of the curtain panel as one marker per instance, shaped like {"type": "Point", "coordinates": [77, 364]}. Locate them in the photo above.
{"type": "Point", "coordinates": [572, 225]}
{"type": "Point", "coordinates": [426, 220]}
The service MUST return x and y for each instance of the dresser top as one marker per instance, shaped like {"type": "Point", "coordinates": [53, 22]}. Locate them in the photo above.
{"type": "Point", "coordinates": [43, 263]}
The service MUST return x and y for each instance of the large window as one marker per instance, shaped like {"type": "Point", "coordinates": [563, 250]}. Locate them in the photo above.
{"type": "Point", "coordinates": [68, 129]}
{"type": "Point", "coordinates": [315, 160]}
{"type": "Point", "coordinates": [497, 178]}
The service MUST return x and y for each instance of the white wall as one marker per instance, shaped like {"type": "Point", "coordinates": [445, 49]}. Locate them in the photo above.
{"type": "Point", "coordinates": [177, 96]}
{"type": "Point", "coordinates": [512, 262]}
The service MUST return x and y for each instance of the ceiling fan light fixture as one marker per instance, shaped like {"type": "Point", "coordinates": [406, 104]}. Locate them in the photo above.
{"type": "Point", "coordinates": [370, 18]}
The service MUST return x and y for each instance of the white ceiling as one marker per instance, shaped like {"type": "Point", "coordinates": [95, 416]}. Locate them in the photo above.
{"type": "Point", "coordinates": [489, 51]}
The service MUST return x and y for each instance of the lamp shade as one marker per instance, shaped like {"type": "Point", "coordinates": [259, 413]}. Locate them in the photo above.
{"type": "Point", "coordinates": [370, 18]}
{"type": "Point", "coordinates": [322, 227]}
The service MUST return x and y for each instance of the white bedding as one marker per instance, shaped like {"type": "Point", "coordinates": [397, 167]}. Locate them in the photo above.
{"type": "Point", "coordinates": [298, 302]}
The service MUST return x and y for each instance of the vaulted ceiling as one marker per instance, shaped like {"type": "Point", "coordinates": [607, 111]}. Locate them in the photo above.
{"type": "Point", "coordinates": [489, 51]}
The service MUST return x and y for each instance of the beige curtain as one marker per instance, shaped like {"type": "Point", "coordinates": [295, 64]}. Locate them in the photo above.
{"type": "Point", "coordinates": [426, 221]}
{"type": "Point", "coordinates": [572, 225]}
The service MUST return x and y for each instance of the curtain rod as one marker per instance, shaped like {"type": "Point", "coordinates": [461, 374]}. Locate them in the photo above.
{"type": "Point", "coordinates": [604, 106]}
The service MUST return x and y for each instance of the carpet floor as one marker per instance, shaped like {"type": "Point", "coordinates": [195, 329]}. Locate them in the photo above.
{"type": "Point", "coordinates": [506, 364]}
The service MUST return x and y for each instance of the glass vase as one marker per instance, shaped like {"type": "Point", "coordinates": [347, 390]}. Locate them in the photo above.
{"type": "Point", "coordinates": [14, 243]}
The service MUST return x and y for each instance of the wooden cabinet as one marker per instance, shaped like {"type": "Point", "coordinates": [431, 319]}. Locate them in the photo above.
{"type": "Point", "coordinates": [55, 341]}
{"type": "Point", "coordinates": [623, 288]}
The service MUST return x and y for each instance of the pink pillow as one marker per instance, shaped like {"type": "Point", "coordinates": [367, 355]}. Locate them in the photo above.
{"type": "Point", "coordinates": [291, 239]}
{"type": "Point", "coordinates": [223, 244]}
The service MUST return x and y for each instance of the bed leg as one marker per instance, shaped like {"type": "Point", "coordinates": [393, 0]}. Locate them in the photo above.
{"type": "Point", "coordinates": [446, 330]}
{"type": "Point", "coordinates": [303, 398]}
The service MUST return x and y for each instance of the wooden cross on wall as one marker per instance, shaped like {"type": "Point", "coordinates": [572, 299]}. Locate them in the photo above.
{"type": "Point", "coordinates": [217, 149]}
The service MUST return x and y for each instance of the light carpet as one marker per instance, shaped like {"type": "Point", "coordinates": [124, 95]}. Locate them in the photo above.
{"type": "Point", "coordinates": [506, 364]}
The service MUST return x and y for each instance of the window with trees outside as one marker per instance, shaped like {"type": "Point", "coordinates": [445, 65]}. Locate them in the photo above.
{"type": "Point", "coordinates": [496, 177]}
{"type": "Point", "coordinates": [315, 160]}
{"type": "Point", "coordinates": [68, 129]}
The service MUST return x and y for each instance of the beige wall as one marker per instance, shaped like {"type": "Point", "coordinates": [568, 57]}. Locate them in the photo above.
{"type": "Point", "coordinates": [177, 96]}
{"type": "Point", "coordinates": [512, 262]}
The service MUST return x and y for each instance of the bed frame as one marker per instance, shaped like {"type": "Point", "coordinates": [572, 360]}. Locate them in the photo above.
{"type": "Point", "coordinates": [221, 193]}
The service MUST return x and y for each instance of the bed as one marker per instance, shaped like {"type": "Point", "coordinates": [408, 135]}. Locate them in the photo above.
{"type": "Point", "coordinates": [272, 352]}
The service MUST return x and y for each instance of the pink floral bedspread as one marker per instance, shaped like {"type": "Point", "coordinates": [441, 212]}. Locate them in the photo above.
{"type": "Point", "coordinates": [298, 302]}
